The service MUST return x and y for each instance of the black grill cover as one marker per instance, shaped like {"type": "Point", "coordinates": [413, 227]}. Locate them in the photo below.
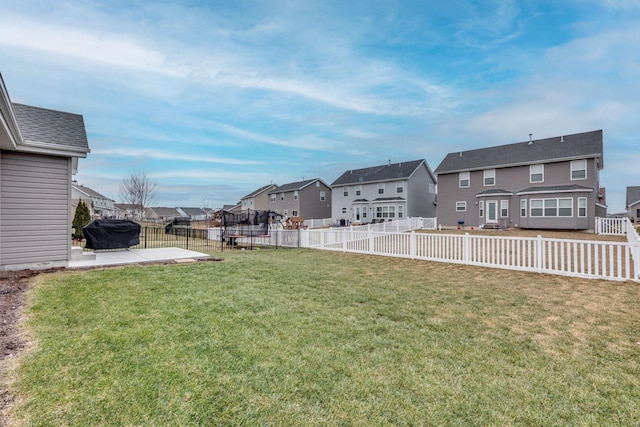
{"type": "Point", "coordinates": [112, 234]}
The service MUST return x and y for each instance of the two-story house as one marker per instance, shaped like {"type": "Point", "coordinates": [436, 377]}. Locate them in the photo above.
{"type": "Point", "coordinates": [257, 200]}
{"type": "Point", "coordinates": [99, 205]}
{"type": "Point", "coordinates": [550, 183]}
{"type": "Point", "coordinates": [308, 199]}
{"type": "Point", "coordinates": [633, 203]}
{"type": "Point", "coordinates": [385, 192]}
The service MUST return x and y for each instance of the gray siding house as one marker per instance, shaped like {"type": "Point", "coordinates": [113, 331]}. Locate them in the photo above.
{"type": "Point", "coordinates": [385, 192]}
{"type": "Point", "coordinates": [257, 200]}
{"type": "Point", "coordinates": [39, 151]}
{"type": "Point", "coordinates": [551, 183]}
{"type": "Point", "coordinates": [308, 199]}
{"type": "Point", "coordinates": [633, 204]}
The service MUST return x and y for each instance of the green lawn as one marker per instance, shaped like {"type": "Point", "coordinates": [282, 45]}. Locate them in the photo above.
{"type": "Point", "coordinates": [302, 337]}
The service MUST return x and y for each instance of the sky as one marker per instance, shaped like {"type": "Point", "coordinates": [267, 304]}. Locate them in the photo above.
{"type": "Point", "coordinates": [214, 99]}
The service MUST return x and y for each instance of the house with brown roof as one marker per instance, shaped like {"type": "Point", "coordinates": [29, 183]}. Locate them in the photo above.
{"type": "Point", "coordinates": [39, 152]}
{"type": "Point", "coordinates": [384, 193]}
{"type": "Point", "coordinates": [551, 183]}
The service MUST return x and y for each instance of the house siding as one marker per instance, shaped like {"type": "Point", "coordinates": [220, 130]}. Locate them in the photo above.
{"type": "Point", "coordinates": [35, 222]}
{"type": "Point", "coordinates": [420, 194]}
{"type": "Point", "coordinates": [513, 180]}
{"type": "Point", "coordinates": [308, 205]}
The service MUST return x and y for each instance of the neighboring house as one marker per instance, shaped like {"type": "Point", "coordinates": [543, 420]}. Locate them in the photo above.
{"type": "Point", "coordinates": [551, 183]}
{"type": "Point", "coordinates": [99, 205]}
{"type": "Point", "coordinates": [257, 200]}
{"type": "Point", "coordinates": [162, 214]}
{"type": "Point", "coordinates": [196, 214]}
{"type": "Point", "coordinates": [385, 192]}
{"type": "Point", "coordinates": [633, 203]}
{"type": "Point", "coordinates": [39, 152]}
{"type": "Point", "coordinates": [308, 199]}
{"type": "Point", "coordinates": [125, 210]}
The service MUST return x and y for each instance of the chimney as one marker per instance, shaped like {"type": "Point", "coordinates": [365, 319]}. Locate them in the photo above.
{"type": "Point", "coordinates": [461, 154]}
{"type": "Point", "coordinates": [530, 140]}
{"type": "Point", "coordinates": [562, 138]}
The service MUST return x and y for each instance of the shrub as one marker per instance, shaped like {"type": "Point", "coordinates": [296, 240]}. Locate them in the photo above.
{"type": "Point", "coordinates": [81, 218]}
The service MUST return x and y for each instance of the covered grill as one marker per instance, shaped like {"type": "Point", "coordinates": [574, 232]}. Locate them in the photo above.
{"type": "Point", "coordinates": [112, 234]}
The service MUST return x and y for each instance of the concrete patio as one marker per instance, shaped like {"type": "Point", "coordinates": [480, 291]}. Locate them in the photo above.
{"type": "Point", "coordinates": [132, 256]}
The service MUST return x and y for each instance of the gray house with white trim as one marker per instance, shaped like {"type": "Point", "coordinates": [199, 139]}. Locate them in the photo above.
{"type": "Point", "coordinates": [551, 183]}
{"type": "Point", "coordinates": [39, 152]}
{"type": "Point", "coordinates": [384, 193]}
{"type": "Point", "coordinates": [308, 199]}
{"type": "Point", "coordinates": [633, 203]}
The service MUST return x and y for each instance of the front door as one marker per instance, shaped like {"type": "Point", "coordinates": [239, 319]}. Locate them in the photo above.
{"type": "Point", "coordinates": [357, 214]}
{"type": "Point", "coordinates": [492, 211]}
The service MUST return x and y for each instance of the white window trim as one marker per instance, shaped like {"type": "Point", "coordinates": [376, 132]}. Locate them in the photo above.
{"type": "Point", "coordinates": [400, 187]}
{"type": "Point", "coordinates": [381, 187]}
{"type": "Point", "coordinates": [531, 173]}
{"type": "Point", "coordinates": [464, 176]}
{"type": "Point", "coordinates": [323, 196]}
{"type": "Point", "coordinates": [295, 195]}
{"type": "Point", "coordinates": [557, 208]}
{"type": "Point", "coordinates": [523, 208]}
{"type": "Point", "coordinates": [481, 208]}
{"type": "Point", "coordinates": [463, 204]}
{"type": "Point", "coordinates": [576, 169]}
{"type": "Point", "coordinates": [502, 208]}
{"type": "Point", "coordinates": [582, 199]}
{"type": "Point", "coordinates": [487, 174]}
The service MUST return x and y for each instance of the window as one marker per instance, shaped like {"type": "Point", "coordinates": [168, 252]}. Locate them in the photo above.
{"type": "Point", "coordinates": [381, 188]}
{"type": "Point", "coordinates": [400, 211]}
{"type": "Point", "coordinates": [294, 213]}
{"type": "Point", "coordinates": [364, 212]}
{"type": "Point", "coordinates": [536, 173]}
{"type": "Point", "coordinates": [582, 207]}
{"type": "Point", "coordinates": [400, 187]}
{"type": "Point", "coordinates": [344, 210]}
{"type": "Point", "coordinates": [295, 196]}
{"type": "Point", "coordinates": [281, 196]}
{"type": "Point", "coordinates": [286, 212]}
{"type": "Point", "coordinates": [578, 169]}
{"type": "Point", "coordinates": [481, 208]}
{"type": "Point", "coordinates": [523, 208]}
{"type": "Point", "coordinates": [322, 196]}
{"type": "Point", "coordinates": [565, 207]}
{"type": "Point", "coordinates": [490, 177]}
{"type": "Point", "coordinates": [461, 206]}
{"type": "Point", "coordinates": [504, 208]}
{"type": "Point", "coordinates": [358, 190]}
{"type": "Point", "coordinates": [463, 179]}
{"type": "Point", "coordinates": [536, 208]}
{"type": "Point", "coordinates": [346, 191]}
{"type": "Point", "coordinates": [552, 207]}
{"type": "Point", "coordinates": [273, 198]}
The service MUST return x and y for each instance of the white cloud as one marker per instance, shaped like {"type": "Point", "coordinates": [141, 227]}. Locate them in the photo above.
{"type": "Point", "coordinates": [165, 155]}
{"type": "Point", "coordinates": [106, 49]}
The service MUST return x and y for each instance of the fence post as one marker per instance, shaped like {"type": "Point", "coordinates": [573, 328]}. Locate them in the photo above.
{"type": "Point", "coordinates": [539, 254]}
{"type": "Point", "coordinates": [372, 242]}
{"type": "Point", "coordinates": [598, 231]}
{"type": "Point", "coordinates": [412, 245]}
{"type": "Point", "coordinates": [466, 248]}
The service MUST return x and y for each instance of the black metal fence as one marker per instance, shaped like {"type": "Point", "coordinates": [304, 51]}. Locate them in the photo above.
{"type": "Point", "coordinates": [211, 240]}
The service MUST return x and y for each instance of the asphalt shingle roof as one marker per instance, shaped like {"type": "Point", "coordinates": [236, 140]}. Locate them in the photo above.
{"type": "Point", "coordinates": [298, 185]}
{"type": "Point", "coordinates": [56, 128]}
{"type": "Point", "coordinates": [258, 191]}
{"type": "Point", "coordinates": [88, 191]}
{"type": "Point", "coordinates": [579, 145]}
{"type": "Point", "coordinates": [380, 173]}
{"type": "Point", "coordinates": [633, 195]}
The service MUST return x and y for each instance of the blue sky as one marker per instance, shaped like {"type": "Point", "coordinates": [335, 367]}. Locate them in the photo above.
{"type": "Point", "coordinates": [214, 99]}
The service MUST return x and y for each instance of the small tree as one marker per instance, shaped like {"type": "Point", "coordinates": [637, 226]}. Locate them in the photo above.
{"type": "Point", "coordinates": [138, 191]}
{"type": "Point", "coordinates": [80, 219]}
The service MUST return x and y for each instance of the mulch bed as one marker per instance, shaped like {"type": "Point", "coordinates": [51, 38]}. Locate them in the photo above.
{"type": "Point", "coordinates": [13, 287]}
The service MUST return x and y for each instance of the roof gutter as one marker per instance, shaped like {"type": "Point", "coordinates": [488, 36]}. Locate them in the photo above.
{"type": "Point", "coordinates": [8, 122]}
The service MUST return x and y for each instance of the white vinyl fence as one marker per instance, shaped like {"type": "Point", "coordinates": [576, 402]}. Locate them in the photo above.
{"type": "Point", "coordinates": [580, 258]}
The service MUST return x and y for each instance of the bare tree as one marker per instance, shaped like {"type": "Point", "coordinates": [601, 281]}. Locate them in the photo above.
{"type": "Point", "coordinates": [138, 191]}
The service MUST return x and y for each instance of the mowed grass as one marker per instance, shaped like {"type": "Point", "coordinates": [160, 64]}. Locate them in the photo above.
{"type": "Point", "coordinates": [302, 337]}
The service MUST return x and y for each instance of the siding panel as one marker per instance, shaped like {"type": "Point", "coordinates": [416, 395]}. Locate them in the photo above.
{"type": "Point", "coordinates": [34, 208]}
